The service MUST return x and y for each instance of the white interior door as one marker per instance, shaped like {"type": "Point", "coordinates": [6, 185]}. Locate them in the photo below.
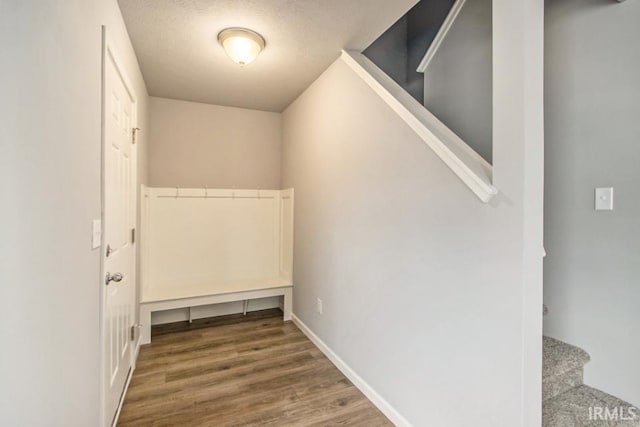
{"type": "Point", "coordinates": [119, 214]}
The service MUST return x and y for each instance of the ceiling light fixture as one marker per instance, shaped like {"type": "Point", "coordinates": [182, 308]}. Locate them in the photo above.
{"type": "Point", "coordinates": [243, 46]}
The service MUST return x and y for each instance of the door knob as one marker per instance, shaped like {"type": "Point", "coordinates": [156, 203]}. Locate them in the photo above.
{"type": "Point", "coordinates": [117, 277]}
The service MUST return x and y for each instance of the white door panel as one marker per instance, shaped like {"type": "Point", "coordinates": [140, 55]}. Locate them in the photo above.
{"type": "Point", "coordinates": [119, 220]}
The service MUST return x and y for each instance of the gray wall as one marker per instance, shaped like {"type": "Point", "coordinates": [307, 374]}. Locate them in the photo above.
{"type": "Point", "coordinates": [50, 284]}
{"type": "Point", "coordinates": [425, 20]}
{"type": "Point", "coordinates": [400, 49]}
{"type": "Point", "coordinates": [198, 145]}
{"type": "Point", "coordinates": [458, 81]}
{"type": "Point", "coordinates": [592, 268]}
{"type": "Point", "coordinates": [422, 284]}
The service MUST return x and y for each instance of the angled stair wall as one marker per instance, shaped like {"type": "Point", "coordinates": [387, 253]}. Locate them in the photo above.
{"type": "Point", "coordinates": [470, 167]}
{"type": "Point", "coordinates": [440, 53]}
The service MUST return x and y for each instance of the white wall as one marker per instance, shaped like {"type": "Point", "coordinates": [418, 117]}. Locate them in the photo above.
{"type": "Point", "coordinates": [195, 145]}
{"type": "Point", "coordinates": [50, 121]}
{"type": "Point", "coordinates": [592, 269]}
{"type": "Point", "coordinates": [428, 294]}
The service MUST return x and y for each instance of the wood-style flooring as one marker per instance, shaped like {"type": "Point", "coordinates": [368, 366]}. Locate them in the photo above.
{"type": "Point", "coordinates": [241, 371]}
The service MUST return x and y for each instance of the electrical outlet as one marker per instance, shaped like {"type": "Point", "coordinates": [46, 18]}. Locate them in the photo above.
{"type": "Point", "coordinates": [319, 306]}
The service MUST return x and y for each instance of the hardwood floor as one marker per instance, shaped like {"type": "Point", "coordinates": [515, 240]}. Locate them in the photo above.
{"type": "Point", "coordinates": [241, 371]}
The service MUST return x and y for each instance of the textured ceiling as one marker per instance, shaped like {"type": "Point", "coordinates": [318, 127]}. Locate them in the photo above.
{"type": "Point", "coordinates": [176, 45]}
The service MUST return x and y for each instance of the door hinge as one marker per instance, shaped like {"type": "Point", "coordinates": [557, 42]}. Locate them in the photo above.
{"type": "Point", "coordinates": [133, 235]}
{"type": "Point", "coordinates": [134, 134]}
{"type": "Point", "coordinates": [135, 331]}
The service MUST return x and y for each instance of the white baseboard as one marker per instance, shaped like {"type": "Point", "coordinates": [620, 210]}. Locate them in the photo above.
{"type": "Point", "coordinates": [394, 416]}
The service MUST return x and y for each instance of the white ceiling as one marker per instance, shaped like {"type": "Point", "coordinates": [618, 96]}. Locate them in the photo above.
{"type": "Point", "coordinates": [176, 45]}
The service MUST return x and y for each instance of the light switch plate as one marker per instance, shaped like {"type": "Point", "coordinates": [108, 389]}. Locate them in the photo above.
{"type": "Point", "coordinates": [96, 236]}
{"type": "Point", "coordinates": [604, 199]}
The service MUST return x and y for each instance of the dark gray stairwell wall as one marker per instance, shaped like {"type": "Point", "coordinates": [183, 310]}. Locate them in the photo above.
{"type": "Point", "coordinates": [400, 49]}
{"type": "Point", "coordinates": [389, 51]}
{"type": "Point", "coordinates": [458, 82]}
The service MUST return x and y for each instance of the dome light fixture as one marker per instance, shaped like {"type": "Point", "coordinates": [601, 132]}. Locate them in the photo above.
{"type": "Point", "coordinates": [242, 45]}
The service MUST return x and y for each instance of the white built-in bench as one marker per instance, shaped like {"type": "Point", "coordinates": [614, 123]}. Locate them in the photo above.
{"type": "Point", "coordinates": [198, 245]}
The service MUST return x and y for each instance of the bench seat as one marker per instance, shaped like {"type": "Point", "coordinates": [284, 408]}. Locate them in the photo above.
{"type": "Point", "coordinates": [194, 296]}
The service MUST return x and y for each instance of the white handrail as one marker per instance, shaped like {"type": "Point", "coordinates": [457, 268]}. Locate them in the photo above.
{"type": "Point", "coordinates": [440, 36]}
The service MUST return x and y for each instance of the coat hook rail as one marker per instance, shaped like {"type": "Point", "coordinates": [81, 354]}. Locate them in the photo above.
{"type": "Point", "coordinates": [216, 197]}
{"type": "Point", "coordinates": [179, 194]}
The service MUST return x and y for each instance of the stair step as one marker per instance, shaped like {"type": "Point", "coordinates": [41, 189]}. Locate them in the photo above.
{"type": "Point", "coordinates": [558, 384]}
{"type": "Point", "coordinates": [560, 357]}
{"type": "Point", "coordinates": [562, 367]}
{"type": "Point", "coordinates": [584, 406]}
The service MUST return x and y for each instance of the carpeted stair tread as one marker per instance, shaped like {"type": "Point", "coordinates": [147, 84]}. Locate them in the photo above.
{"type": "Point", "coordinates": [560, 357]}
{"type": "Point", "coordinates": [584, 406]}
